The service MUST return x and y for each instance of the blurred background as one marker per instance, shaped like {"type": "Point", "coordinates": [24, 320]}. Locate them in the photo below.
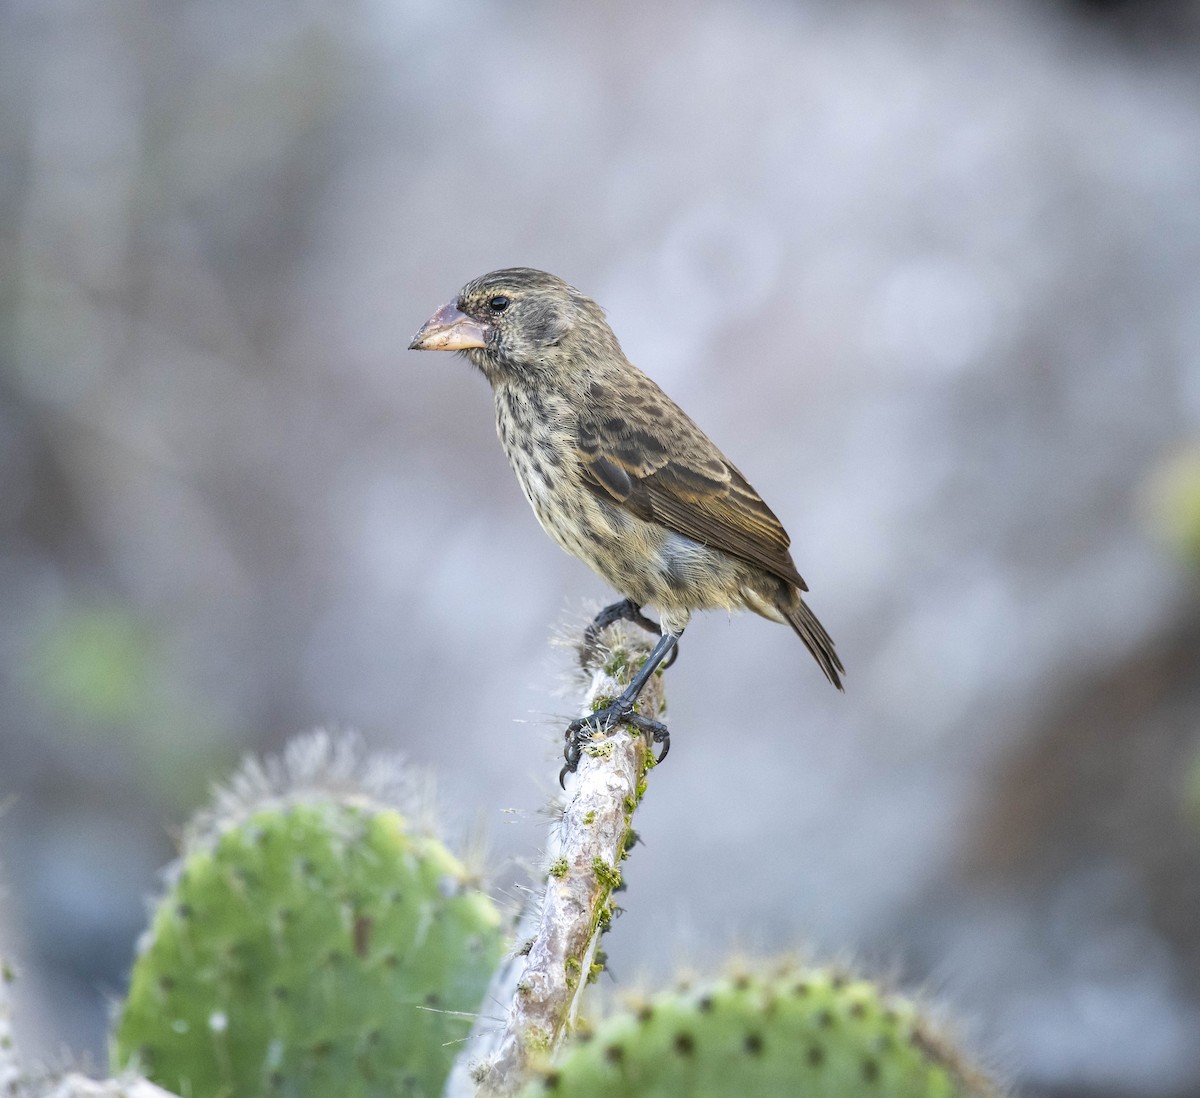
{"type": "Point", "coordinates": [929, 272]}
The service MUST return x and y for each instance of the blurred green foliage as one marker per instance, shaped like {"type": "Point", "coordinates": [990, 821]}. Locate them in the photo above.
{"type": "Point", "coordinates": [1191, 788]}
{"type": "Point", "coordinates": [1175, 504]}
{"type": "Point", "coordinates": [97, 665]}
{"type": "Point", "coordinates": [100, 669]}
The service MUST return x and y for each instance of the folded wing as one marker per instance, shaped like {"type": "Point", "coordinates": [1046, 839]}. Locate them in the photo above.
{"type": "Point", "coordinates": [664, 469]}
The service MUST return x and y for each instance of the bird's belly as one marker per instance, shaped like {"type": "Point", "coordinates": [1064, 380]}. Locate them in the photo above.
{"type": "Point", "coordinates": [557, 498]}
{"type": "Point", "coordinates": [602, 536]}
{"type": "Point", "coordinates": [585, 528]}
{"type": "Point", "coordinates": [643, 560]}
{"type": "Point", "coordinates": [651, 564]}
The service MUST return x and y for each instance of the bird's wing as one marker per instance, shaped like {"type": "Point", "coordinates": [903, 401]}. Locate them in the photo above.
{"type": "Point", "coordinates": [651, 459]}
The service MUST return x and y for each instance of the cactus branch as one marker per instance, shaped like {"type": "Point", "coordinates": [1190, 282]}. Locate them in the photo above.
{"type": "Point", "coordinates": [76, 1085]}
{"type": "Point", "coordinates": [586, 848]}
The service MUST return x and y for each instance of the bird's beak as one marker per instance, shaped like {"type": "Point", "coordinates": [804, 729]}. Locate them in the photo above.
{"type": "Point", "coordinates": [449, 330]}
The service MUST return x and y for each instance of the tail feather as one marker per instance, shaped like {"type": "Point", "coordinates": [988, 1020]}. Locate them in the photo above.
{"type": "Point", "coordinates": [816, 640]}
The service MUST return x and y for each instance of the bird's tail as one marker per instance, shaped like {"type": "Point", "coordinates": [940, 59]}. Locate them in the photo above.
{"type": "Point", "coordinates": [812, 632]}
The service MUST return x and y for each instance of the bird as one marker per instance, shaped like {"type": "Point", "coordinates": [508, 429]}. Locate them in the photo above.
{"type": "Point", "coordinates": [621, 477]}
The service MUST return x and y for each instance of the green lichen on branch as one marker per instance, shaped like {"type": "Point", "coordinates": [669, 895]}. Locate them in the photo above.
{"type": "Point", "coordinates": [608, 877]}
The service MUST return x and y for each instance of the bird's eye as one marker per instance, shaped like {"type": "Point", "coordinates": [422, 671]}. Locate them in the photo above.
{"type": "Point", "coordinates": [498, 303]}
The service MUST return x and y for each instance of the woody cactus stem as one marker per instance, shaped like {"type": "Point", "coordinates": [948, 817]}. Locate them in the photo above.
{"type": "Point", "coordinates": [587, 846]}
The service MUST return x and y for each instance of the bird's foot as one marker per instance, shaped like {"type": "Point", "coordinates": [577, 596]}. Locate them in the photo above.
{"type": "Point", "coordinates": [581, 732]}
{"type": "Point", "coordinates": [625, 610]}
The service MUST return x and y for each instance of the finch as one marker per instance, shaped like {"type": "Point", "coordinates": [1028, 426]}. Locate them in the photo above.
{"type": "Point", "coordinates": [620, 476]}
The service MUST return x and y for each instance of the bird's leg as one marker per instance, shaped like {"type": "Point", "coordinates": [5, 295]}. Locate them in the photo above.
{"type": "Point", "coordinates": [625, 610]}
{"type": "Point", "coordinates": [580, 731]}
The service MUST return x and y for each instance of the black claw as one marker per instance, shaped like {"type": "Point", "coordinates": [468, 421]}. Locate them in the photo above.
{"type": "Point", "coordinates": [571, 754]}
{"type": "Point", "coordinates": [605, 720]}
{"type": "Point", "coordinates": [620, 711]}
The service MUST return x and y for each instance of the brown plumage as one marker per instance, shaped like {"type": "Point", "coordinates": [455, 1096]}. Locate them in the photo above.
{"type": "Point", "coordinates": [616, 472]}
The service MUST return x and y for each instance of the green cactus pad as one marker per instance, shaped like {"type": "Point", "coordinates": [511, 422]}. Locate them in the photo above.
{"type": "Point", "coordinates": [804, 1032]}
{"type": "Point", "coordinates": [313, 949]}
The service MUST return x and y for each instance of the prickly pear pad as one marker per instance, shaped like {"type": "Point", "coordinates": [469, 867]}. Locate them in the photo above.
{"type": "Point", "coordinates": [314, 949]}
{"type": "Point", "coordinates": [806, 1032]}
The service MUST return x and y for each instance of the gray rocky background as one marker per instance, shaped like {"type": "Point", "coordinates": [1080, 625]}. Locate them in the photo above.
{"type": "Point", "coordinates": [929, 272]}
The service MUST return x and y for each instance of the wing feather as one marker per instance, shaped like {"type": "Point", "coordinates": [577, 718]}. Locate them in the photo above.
{"type": "Point", "coordinates": [647, 456]}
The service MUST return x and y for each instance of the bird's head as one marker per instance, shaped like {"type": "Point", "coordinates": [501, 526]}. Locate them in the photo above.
{"type": "Point", "coordinates": [518, 322]}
